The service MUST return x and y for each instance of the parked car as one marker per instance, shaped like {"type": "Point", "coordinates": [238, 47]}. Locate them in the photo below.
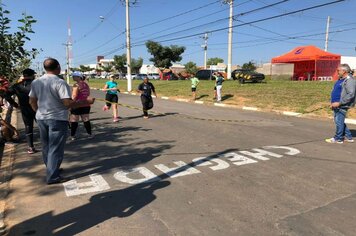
{"type": "Point", "coordinates": [154, 76]}
{"type": "Point", "coordinates": [205, 74]}
{"type": "Point", "coordinates": [243, 75]}
{"type": "Point", "coordinates": [140, 76]}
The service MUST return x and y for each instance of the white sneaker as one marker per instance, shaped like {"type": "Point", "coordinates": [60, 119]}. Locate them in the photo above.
{"type": "Point", "coordinates": [349, 140]}
{"type": "Point", "coordinates": [333, 140]}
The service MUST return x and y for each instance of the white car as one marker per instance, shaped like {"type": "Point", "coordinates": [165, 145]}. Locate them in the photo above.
{"type": "Point", "coordinates": [154, 76]}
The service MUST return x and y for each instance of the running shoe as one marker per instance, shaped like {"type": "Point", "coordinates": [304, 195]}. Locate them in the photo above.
{"type": "Point", "coordinates": [349, 140]}
{"type": "Point", "coordinates": [333, 140]}
{"type": "Point", "coordinates": [31, 150]}
{"type": "Point", "coordinates": [72, 138]}
{"type": "Point", "coordinates": [105, 108]}
{"type": "Point", "coordinates": [116, 119]}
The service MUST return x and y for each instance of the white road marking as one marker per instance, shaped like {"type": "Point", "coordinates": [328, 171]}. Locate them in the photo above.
{"type": "Point", "coordinates": [182, 169]}
{"type": "Point", "coordinates": [291, 151]}
{"type": "Point", "coordinates": [205, 161]}
{"type": "Point", "coordinates": [261, 154]}
{"type": "Point", "coordinates": [97, 184]}
{"type": "Point", "coordinates": [148, 176]}
{"type": "Point", "coordinates": [238, 159]}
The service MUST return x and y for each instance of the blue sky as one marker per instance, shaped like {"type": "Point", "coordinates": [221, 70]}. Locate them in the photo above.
{"type": "Point", "coordinates": [151, 19]}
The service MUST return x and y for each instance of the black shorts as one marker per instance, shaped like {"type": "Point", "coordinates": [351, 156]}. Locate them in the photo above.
{"type": "Point", "coordinates": [111, 98]}
{"type": "Point", "coordinates": [80, 111]}
{"type": "Point", "coordinates": [194, 89]}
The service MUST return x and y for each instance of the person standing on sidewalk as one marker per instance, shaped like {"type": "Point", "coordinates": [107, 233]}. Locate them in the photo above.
{"type": "Point", "coordinates": [50, 97]}
{"type": "Point", "coordinates": [218, 83]}
{"type": "Point", "coordinates": [22, 89]}
{"type": "Point", "coordinates": [146, 89]}
{"type": "Point", "coordinates": [195, 82]}
{"type": "Point", "coordinates": [342, 98]}
{"type": "Point", "coordinates": [80, 92]}
{"type": "Point", "coordinates": [111, 97]}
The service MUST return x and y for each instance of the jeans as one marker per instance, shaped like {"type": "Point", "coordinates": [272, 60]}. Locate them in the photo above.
{"type": "Point", "coordinates": [341, 128]}
{"type": "Point", "coordinates": [28, 117]}
{"type": "Point", "coordinates": [218, 92]}
{"type": "Point", "coordinates": [53, 137]}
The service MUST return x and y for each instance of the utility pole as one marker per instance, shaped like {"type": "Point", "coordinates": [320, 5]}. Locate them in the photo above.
{"type": "Point", "coordinates": [229, 55]}
{"type": "Point", "coordinates": [327, 34]}
{"type": "Point", "coordinates": [205, 46]}
{"type": "Point", "coordinates": [69, 55]}
{"type": "Point", "coordinates": [68, 45]}
{"type": "Point", "coordinates": [128, 47]}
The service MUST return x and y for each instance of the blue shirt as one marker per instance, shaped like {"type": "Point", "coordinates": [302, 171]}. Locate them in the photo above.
{"type": "Point", "coordinates": [110, 85]}
{"type": "Point", "coordinates": [336, 92]}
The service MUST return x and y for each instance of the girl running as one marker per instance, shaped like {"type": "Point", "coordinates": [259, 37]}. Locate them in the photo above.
{"type": "Point", "coordinates": [111, 97]}
{"type": "Point", "coordinates": [81, 92]}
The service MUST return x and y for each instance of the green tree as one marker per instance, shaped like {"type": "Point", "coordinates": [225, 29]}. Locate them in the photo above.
{"type": "Point", "coordinates": [107, 68]}
{"type": "Point", "coordinates": [14, 57]}
{"type": "Point", "coordinates": [120, 63]}
{"type": "Point", "coordinates": [163, 56]}
{"type": "Point", "coordinates": [136, 65]}
{"type": "Point", "coordinates": [214, 61]}
{"type": "Point", "coordinates": [121, 60]}
{"type": "Point", "coordinates": [191, 67]}
{"type": "Point", "coordinates": [249, 66]}
{"type": "Point", "coordinates": [84, 68]}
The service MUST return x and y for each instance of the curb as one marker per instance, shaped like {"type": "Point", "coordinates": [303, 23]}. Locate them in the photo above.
{"type": "Point", "coordinates": [285, 113]}
{"type": "Point", "coordinates": [6, 168]}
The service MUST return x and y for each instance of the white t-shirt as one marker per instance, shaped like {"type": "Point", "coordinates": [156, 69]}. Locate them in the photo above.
{"type": "Point", "coordinates": [49, 91]}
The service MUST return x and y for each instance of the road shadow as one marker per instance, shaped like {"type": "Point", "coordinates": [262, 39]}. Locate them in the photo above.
{"type": "Point", "coordinates": [226, 96]}
{"type": "Point", "coordinates": [202, 96]}
{"type": "Point", "coordinates": [101, 207]}
{"type": "Point", "coordinates": [151, 114]}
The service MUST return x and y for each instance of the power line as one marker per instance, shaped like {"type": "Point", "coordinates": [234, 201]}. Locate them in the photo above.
{"type": "Point", "coordinates": [159, 21]}
{"type": "Point", "coordinates": [255, 21]}
{"type": "Point", "coordinates": [112, 10]}
{"type": "Point", "coordinates": [219, 20]}
{"type": "Point", "coordinates": [175, 16]}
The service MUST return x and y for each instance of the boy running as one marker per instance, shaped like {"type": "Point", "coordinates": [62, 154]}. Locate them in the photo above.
{"type": "Point", "coordinates": [195, 82]}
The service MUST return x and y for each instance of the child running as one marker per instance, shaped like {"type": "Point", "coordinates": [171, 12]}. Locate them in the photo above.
{"type": "Point", "coordinates": [111, 97]}
{"type": "Point", "coordinates": [81, 92]}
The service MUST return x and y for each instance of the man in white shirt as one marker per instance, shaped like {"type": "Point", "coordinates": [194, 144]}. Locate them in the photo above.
{"type": "Point", "coordinates": [50, 97]}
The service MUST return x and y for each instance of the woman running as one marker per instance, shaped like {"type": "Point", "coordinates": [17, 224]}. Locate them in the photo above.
{"type": "Point", "coordinates": [111, 97]}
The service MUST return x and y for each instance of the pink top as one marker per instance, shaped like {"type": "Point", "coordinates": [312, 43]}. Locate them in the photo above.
{"type": "Point", "coordinates": [83, 91]}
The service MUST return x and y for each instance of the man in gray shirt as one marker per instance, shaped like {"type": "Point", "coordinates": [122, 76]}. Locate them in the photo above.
{"type": "Point", "coordinates": [50, 97]}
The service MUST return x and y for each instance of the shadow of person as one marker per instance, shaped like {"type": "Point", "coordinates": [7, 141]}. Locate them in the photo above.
{"type": "Point", "coordinates": [202, 96]}
{"type": "Point", "coordinates": [101, 207]}
{"type": "Point", "coordinates": [227, 96]}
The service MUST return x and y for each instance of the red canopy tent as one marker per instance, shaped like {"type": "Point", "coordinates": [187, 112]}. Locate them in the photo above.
{"type": "Point", "coordinates": [311, 63]}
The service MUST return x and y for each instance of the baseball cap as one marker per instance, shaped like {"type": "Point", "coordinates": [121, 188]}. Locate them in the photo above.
{"type": "Point", "coordinates": [77, 74]}
{"type": "Point", "coordinates": [28, 72]}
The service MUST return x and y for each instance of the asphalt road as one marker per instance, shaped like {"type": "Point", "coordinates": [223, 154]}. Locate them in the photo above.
{"type": "Point", "coordinates": [186, 172]}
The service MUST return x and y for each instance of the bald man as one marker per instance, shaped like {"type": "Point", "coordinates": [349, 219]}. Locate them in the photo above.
{"type": "Point", "coordinates": [50, 97]}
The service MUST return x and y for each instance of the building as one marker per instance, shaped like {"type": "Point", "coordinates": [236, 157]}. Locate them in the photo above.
{"type": "Point", "coordinates": [351, 61]}
{"type": "Point", "coordinates": [149, 69]}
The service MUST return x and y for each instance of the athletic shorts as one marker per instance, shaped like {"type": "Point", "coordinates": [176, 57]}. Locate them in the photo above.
{"type": "Point", "coordinates": [194, 89]}
{"type": "Point", "coordinates": [80, 111]}
{"type": "Point", "coordinates": [111, 98]}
